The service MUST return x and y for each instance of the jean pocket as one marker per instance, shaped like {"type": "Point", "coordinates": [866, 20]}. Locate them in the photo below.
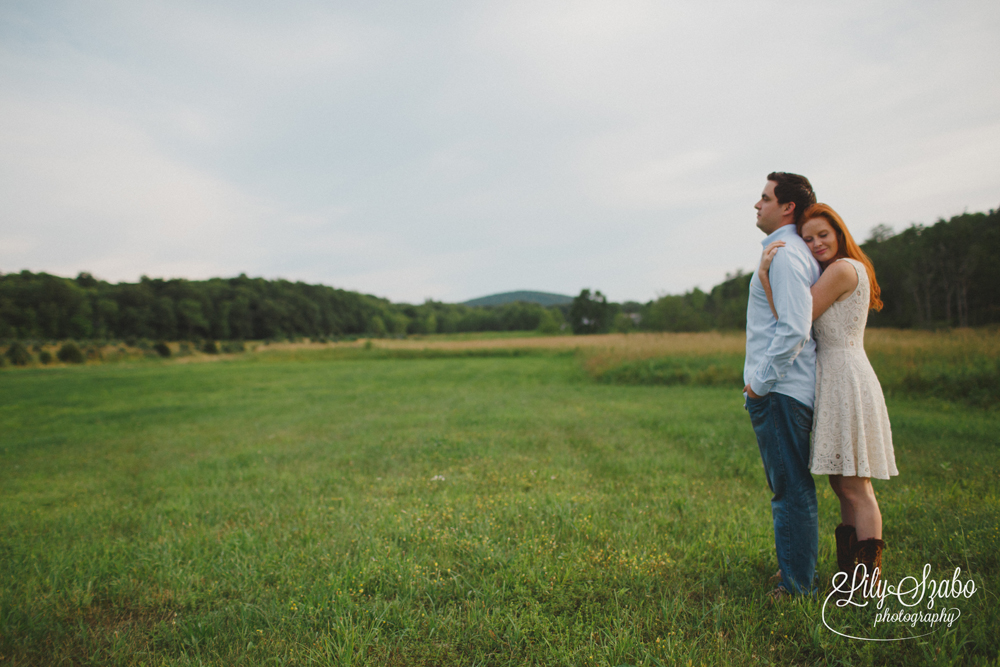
{"type": "Point", "coordinates": [802, 415]}
{"type": "Point", "coordinates": [757, 409]}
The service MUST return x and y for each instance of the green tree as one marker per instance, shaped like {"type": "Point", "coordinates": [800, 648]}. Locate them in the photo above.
{"type": "Point", "coordinates": [550, 321]}
{"type": "Point", "coordinates": [591, 313]}
{"type": "Point", "coordinates": [376, 327]}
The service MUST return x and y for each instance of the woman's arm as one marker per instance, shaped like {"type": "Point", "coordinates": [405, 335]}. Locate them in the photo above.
{"type": "Point", "coordinates": [764, 273]}
{"type": "Point", "coordinates": [838, 279]}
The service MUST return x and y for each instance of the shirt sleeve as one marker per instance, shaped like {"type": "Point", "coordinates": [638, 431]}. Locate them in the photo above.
{"type": "Point", "coordinates": [790, 283]}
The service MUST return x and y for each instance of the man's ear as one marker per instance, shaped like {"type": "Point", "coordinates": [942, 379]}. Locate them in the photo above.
{"type": "Point", "coordinates": [789, 208]}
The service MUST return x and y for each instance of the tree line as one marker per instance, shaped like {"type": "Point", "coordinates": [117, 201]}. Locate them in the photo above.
{"type": "Point", "coordinates": [944, 274]}
{"type": "Point", "coordinates": [41, 306]}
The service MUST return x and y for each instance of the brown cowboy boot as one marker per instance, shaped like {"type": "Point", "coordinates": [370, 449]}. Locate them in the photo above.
{"type": "Point", "coordinates": [847, 538]}
{"type": "Point", "coordinates": [869, 553]}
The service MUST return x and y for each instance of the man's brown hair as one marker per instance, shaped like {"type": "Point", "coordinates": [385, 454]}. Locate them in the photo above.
{"type": "Point", "coordinates": [793, 188]}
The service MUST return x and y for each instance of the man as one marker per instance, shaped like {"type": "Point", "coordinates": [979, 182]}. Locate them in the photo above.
{"type": "Point", "coordinates": [780, 378]}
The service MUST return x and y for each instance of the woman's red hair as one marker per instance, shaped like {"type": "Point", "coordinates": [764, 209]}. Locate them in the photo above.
{"type": "Point", "coordinates": [846, 246]}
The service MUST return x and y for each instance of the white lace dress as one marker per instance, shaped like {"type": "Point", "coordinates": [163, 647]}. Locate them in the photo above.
{"type": "Point", "coordinates": [851, 434]}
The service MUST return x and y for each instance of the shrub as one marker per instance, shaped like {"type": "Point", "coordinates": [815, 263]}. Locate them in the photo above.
{"type": "Point", "coordinates": [70, 353]}
{"type": "Point", "coordinates": [45, 357]}
{"type": "Point", "coordinates": [233, 347]}
{"type": "Point", "coordinates": [18, 354]}
{"type": "Point", "coordinates": [624, 323]}
{"type": "Point", "coordinates": [162, 349]}
{"type": "Point", "coordinates": [547, 322]}
{"type": "Point", "coordinates": [210, 347]}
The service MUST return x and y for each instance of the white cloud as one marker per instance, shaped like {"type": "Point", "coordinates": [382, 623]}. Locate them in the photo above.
{"type": "Point", "coordinates": [94, 183]}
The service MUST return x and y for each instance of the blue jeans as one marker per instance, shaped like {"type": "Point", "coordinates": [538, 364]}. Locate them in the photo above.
{"type": "Point", "coordinates": [782, 425]}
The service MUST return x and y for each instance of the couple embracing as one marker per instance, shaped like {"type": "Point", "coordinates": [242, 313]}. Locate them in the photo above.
{"type": "Point", "coordinates": [797, 386]}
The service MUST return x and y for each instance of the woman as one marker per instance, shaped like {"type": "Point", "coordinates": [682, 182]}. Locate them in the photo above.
{"type": "Point", "coordinates": [851, 437]}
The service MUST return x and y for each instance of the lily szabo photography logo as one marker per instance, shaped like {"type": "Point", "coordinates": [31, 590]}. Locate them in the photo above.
{"type": "Point", "coordinates": [924, 604]}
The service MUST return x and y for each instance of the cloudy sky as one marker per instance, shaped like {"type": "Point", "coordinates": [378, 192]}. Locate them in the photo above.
{"type": "Point", "coordinates": [449, 150]}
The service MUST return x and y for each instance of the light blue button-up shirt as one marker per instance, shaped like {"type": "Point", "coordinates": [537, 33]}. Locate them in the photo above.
{"type": "Point", "coordinates": [781, 354]}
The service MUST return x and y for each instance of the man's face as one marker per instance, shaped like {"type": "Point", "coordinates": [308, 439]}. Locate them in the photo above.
{"type": "Point", "coordinates": [770, 214]}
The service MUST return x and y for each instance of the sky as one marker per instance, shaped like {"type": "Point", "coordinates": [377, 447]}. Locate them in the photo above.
{"type": "Point", "coordinates": [450, 150]}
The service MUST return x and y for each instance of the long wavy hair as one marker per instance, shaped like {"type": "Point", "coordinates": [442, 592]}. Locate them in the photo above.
{"type": "Point", "coordinates": [846, 246]}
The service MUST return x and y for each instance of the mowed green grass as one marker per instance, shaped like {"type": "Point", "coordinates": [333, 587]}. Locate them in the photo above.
{"type": "Point", "coordinates": [473, 511]}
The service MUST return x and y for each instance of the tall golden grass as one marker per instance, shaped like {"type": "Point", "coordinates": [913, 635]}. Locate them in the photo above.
{"type": "Point", "coordinates": [607, 350]}
{"type": "Point", "coordinates": [959, 364]}
{"type": "Point", "coordinates": [915, 344]}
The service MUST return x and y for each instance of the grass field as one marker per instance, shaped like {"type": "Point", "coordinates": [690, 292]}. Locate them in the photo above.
{"type": "Point", "coordinates": [444, 502]}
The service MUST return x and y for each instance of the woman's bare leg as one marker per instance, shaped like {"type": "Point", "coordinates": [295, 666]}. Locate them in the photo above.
{"type": "Point", "coordinates": [846, 511]}
{"type": "Point", "coordinates": [858, 505]}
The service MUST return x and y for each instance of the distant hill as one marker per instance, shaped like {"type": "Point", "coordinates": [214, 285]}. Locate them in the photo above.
{"type": "Point", "coordinates": [541, 298]}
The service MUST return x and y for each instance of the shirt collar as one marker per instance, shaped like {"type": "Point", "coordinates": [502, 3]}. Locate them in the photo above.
{"type": "Point", "coordinates": [780, 233]}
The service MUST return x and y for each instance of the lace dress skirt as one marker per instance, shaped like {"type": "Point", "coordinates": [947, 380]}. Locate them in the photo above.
{"type": "Point", "coordinates": [851, 434]}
